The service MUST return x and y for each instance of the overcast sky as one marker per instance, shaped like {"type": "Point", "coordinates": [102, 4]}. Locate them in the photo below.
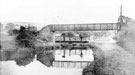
{"type": "Point", "coordinates": [64, 11]}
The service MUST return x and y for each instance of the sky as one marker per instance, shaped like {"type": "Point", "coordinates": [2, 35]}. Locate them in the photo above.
{"type": "Point", "coordinates": [64, 11]}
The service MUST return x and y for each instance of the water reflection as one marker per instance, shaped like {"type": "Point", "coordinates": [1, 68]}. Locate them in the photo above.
{"type": "Point", "coordinates": [34, 68]}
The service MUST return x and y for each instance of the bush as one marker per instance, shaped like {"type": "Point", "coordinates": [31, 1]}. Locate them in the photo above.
{"type": "Point", "coordinates": [46, 58]}
{"type": "Point", "coordinates": [25, 57]}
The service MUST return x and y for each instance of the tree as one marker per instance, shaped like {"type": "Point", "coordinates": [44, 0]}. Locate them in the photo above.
{"type": "Point", "coordinates": [32, 28]}
{"type": "Point", "coordinates": [10, 26]}
{"type": "Point", "coordinates": [45, 35]}
{"type": "Point", "coordinates": [70, 35]}
{"type": "Point", "coordinates": [26, 38]}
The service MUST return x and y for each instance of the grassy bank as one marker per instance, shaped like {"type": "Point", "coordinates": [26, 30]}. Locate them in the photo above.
{"type": "Point", "coordinates": [113, 62]}
{"type": "Point", "coordinates": [118, 60]}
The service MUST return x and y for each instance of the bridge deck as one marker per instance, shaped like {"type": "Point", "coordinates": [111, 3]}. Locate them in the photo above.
{"type": "Point", "coordinates": [84, 27]}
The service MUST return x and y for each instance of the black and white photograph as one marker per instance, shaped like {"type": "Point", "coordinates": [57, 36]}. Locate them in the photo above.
{"type": "Point", "coordinates": [67, 37]}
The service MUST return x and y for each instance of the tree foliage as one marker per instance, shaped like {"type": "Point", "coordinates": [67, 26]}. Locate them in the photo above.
{"type": "Point", "coordinates": [68, 34]}
{"type": "Point", "coordinates": [10, 26]}
{"type": "Point", "coordinates": [26, 38]}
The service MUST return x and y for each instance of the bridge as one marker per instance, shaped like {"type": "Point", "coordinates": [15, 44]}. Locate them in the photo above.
{"type": "Point", "coordinates": [64, 58]}
{"type": "Point", "coordinates": [88, 26]}
{"type": "Point", "coordinates": [85, 27]}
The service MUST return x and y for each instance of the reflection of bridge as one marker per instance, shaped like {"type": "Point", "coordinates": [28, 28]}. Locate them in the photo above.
{"type": "Point", "coordinates": [71, 64]}
{"type": "Point", "coordinates": [73, 58]}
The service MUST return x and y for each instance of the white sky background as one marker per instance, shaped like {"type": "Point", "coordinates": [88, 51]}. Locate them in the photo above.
{"type": "Point", "coordinates": [64, 11]}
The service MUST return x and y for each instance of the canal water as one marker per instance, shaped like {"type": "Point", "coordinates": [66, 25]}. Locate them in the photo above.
{"type": "Point", "coordinates": [35, 68]}
{"type": "Point", "coordinates": [73, 58]}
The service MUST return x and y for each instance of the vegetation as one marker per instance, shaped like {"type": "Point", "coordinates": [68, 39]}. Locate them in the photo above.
{"type": "Point", "coordinates": [117, 61]}
{"type": "Point", "coordinates": [46, 58]}
{"type": "Point", "coordinates": [23, 50]}
{"type": "Point", "coordinates": [68, 35]}
{"type": "Point", "coordinates": [112, 62]}
{"type": "Point", "coordinates": [26, 38]}
{"type": "Point", "coordinates": [45, 35]}
{"type": "Point", "coordinates": [25, 57]}
{"type": "Point", "coordinates": [126, 35]}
